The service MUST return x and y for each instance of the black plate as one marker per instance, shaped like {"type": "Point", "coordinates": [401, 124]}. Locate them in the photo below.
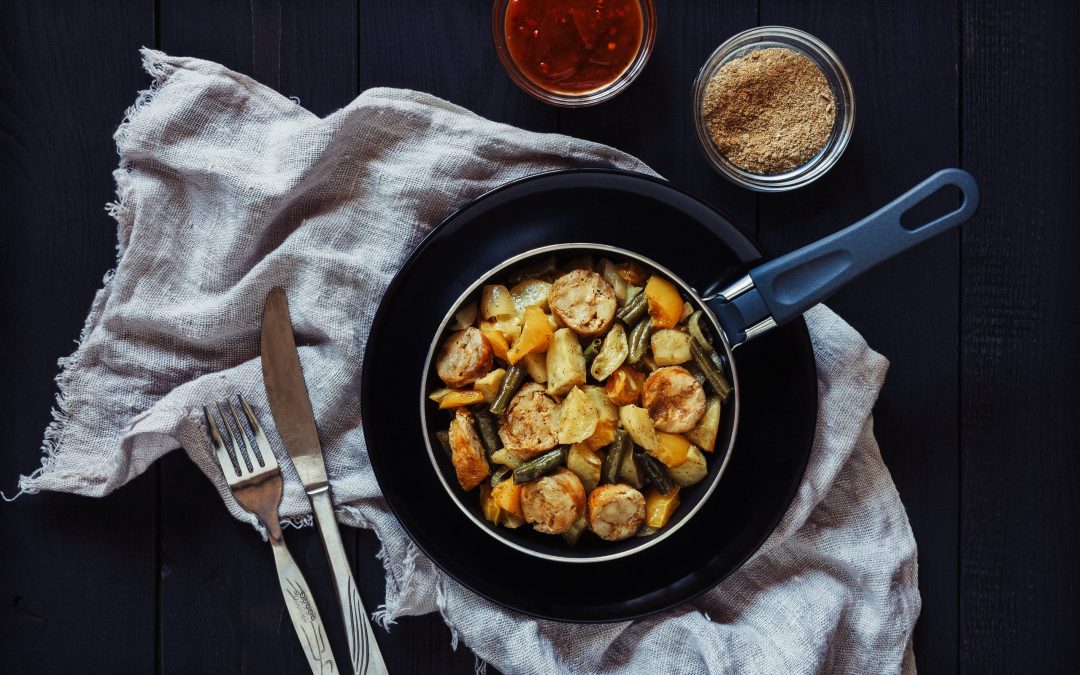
{"type": "Point", "coordinates": [777, 374]}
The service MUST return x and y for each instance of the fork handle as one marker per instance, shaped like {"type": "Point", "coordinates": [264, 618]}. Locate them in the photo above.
{"type": "Point", "coordinates": [363, 650]}
{"type": "Point", "coordinates": [300, 602]}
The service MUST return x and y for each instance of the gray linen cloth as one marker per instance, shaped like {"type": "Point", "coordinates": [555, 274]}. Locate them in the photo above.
{"type": "Point", "coordinates": [226, 188]}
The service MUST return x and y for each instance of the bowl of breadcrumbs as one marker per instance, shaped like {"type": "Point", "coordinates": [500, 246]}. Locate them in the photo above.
{"type": "Point", "coordinates": [773, 108]}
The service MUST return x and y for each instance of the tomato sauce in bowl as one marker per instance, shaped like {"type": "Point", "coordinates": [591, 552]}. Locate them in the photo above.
{"type": "Point", "coordinates": [562, 50]}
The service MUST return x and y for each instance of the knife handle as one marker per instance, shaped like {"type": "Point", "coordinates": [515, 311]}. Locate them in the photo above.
{"type": "Point", "coordinates": [363, 650]}
{"type": "Point", "coordinates": [300, 602]}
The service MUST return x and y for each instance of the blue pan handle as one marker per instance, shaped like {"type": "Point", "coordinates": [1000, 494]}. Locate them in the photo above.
{"type": "Point", "coordinates": [780, 290]}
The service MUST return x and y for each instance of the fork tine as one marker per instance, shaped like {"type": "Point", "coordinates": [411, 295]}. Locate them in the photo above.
{"type": "Point", "coordinates": [251, 452]}
{"type": "Point", "coordinates": [224, 458]}
{"type": "Point", "coordinates": [242, 457]}
{"type": "Point", "coordinates": [260, 438]}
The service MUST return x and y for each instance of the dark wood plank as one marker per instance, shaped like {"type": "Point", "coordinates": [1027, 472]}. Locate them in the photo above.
{"type": "Point", "coordinates": [905, 129]}
{"type": "Point", "coordinates": [1020, 603]}
{"type": "Point", "coordinates": [653, 118]}
{"type": "Point", "coordinates": [220, 604]}
{"type": "Point", "coordinates": [77, 576]}
{"type": "Point", "coordinates": [445, 50]}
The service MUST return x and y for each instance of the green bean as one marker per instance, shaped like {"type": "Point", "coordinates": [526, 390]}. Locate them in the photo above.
{"type": "Point", "coordinates": [534, 468]}
{"type": "Point", "coordinates": [713, 373]}
{"type": "Point", "coordinates": [639, 340]}
{"type": "Point", "coordinates": [633, 309]}
{"type": "Point", "coordinates": [654, 471]}
{"type": "Point", "coordinates": [592, 350]}
{"type": "Point", "coordinates": [616, 451]}
{"type": "Point", "coordinates": [514, 377]}
{"type": "Point", "coordinates": [489, 434]}
{"type": "Point", "coordinates": [500, 475]}
{"type": "Point", "coordinates": [444, 442]}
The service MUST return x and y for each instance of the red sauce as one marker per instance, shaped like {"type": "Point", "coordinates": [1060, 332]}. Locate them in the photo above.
{"type": "Point", "coordinates": [573, 46]}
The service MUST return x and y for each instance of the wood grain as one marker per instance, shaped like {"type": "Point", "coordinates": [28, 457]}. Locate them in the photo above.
{"type": "Point", "coordinates": [1020, 603]}
{"type": "Point", "coordinates": [76, 576]}
{"type": "Point", "coordinates": [906, 102]}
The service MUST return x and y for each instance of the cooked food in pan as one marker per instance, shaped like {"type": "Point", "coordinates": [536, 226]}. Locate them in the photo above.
{"type": "Point", "coordinates": [582, 399]}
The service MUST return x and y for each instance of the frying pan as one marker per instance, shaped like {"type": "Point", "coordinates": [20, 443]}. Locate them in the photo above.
{"type": "Point", "coordinates": [769, 295]}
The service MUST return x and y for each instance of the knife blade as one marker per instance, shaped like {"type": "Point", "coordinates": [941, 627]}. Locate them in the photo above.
{"type": "Point", "coordinates": [290, 406]}
{"type": "Point", "coordinates": [287, 392]}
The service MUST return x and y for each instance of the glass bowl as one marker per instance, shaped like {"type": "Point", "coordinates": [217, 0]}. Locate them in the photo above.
{"type": "Point", "coordinates": [587, 98]}
{"type": "Point", "coordinates": [815, 50]}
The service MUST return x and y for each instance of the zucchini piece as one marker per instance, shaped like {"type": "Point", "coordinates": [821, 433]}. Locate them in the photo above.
{"type": "Point", "coordinates": [629, 471]}
{"type": "Point", "coordinates": [613, 351]}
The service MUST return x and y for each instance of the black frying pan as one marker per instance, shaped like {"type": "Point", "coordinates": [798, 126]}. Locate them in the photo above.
{"type": "Point", "coordinates": [778, 382]}
{"type": "Point", "coordinates": [771, 294]}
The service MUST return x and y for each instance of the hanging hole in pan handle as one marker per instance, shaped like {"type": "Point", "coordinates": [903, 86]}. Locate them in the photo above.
{"type": "Point", "coordinates": [793, 283]}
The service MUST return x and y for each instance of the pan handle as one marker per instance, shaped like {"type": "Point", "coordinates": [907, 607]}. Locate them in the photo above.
{"type": "Point", "coordinates": [780, 290]}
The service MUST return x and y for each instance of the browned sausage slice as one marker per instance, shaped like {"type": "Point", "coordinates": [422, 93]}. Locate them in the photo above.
{"type": "Point", "coordinates": [674, 399]}
{"type": "Point", "coordinates": [465, 358]}
{"type": "Point", "coordinates": [584, 302]}
{"type": "Point", "coordinates": [553, 503]}
{"type": "Point", "coordinates": [467, 452]}
{"type": "Point", "coordinates": [616, 512]}
{"type": "Point", "coordinates": [531, 423]}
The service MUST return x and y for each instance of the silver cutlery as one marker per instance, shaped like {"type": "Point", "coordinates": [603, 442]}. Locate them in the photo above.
{"type": "Point", "coordinates": [255, 480]}
{"type": "Point", "coordinates": [290, 406]}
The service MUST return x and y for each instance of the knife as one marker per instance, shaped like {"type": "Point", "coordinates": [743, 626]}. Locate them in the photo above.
{"type": "Point", "coordinates": [291, 408]}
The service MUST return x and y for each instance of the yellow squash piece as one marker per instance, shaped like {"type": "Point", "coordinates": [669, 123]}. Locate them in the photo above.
{"type": "Point", "coordinates": [499, 344]}
{"type": "Point", "coordinates": [459, 397]}
{"type": "Point", "coordinates": [604, 434]}
{"type": "Point", "coordinates": [672, 449]}
{"type": "Point", "coordinates": [665, 303]}
{"type": "Point", "coordinates": [658, 507]}
{"type": "Point", "coordinates": [623, 387]}
{"type": "Point", "coordinates": [535, 335]}
{"type": "Point", "coordinates": [487, 504]}
{"type": "Point", "coordinates": [507, 495]}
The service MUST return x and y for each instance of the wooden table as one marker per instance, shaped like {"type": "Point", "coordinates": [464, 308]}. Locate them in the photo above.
{"type": "Point", "coordinates": [976, 420]}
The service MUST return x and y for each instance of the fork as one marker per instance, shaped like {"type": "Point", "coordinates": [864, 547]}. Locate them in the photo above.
{"type": "Point", "coordinates": [255, 480]}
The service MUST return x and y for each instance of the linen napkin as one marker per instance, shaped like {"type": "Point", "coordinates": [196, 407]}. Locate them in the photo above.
{"type": "Point", "coordinates": [226, 189]}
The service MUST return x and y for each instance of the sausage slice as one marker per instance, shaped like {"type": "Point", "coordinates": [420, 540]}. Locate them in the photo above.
{"type": "Point", "coordinates": [466, 451]}
{"type": "Point", "coordinates": [553, 503]}
{"type": "Point", "coordinates": [465, 358]}
{"type": "Point", "coordinates": [584, 302]}
{"type": "Point", "coordinates": [616, 512]}
{"type": "Point", "coordinates": [674, 399]}
{"type": "Point", "coordinates": [531, 423]}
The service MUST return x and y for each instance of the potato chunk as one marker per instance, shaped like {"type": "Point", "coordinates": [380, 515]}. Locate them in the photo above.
{"type": "Point", "coordinates": [565, 363]}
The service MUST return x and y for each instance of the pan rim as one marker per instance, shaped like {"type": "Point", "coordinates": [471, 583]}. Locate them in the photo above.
{"type": "Point", "coordinates": [734, 406]}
